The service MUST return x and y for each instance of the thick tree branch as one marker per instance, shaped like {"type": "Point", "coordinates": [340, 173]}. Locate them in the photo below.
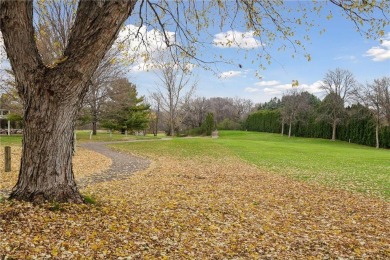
{"type": "Point", "coordinates": [16, 25]}
{"type": "Point", "coordinates": [96, 26]}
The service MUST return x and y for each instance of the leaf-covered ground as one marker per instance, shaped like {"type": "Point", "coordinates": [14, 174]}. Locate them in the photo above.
{"type": "Point", "coordinates": [83, 166]}
{"type": "Point", "coordinates": [201, 207]}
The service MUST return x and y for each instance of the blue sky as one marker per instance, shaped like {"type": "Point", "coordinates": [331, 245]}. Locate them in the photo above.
{"type": "Point", "coordinates": [341, 46]}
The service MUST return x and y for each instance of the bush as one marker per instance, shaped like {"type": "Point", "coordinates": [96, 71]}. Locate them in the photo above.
{"type": "Point", "coordinates": [208, 124]}
{"type": "Point", "coordinates": [228, 124]}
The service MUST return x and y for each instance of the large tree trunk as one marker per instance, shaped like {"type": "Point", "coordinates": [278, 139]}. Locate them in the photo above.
{"type": "Point", "coordinates": [52, 95]}
{"type": "Point", "coordinates": [46, 167]}
{"type": "Point", "coordinates": [334, 126]}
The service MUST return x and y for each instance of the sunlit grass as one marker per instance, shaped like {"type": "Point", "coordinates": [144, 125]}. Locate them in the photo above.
{"type": "Point", "coordinates": [337, 164]}
{"type": "Point", "coordinates": [178, 147]}
{"type": "Point", "coordinates": [84, 136]}
{"type": "Point", "coordinates": [340, 164]}
{"type": "Point", "coordinates": [10, 140]}
{"type": "Point", "coordinates": [106, 136]}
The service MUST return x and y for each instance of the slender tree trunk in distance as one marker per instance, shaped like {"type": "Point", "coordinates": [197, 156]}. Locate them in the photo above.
{"type": "Point", "coordinates": [94, 123]}
{"type": "Point", "coordinates": [289, 130]}
{"type": "Point", "coordinates": [282, 127]}
{"type": "Point", "coordinates": [157, 116]}
{"type": "Point", "coordinates": [171, 126]}
{"type": "Point", "coordinates": [377, 134]}
{"type": "Point", "coordinates": [94, 127]}
{"type": "Point", "coordinates": [334, 126]}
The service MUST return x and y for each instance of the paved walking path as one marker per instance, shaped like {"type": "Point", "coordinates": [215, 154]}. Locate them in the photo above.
{"type": "Point", "coordinates": [123, 164]}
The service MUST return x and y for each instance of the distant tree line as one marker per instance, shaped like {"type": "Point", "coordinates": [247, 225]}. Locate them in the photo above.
{"type": "Point", "coordinates": [349, 112]}
{"type": "Point", "coordinates": [201, 115]}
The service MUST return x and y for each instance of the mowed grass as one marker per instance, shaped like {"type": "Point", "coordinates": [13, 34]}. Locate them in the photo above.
{"type": "Point", "coordinates": [105, 136]}
{"type": "Point", "coordinates": [13, 140]}
{"type": "Point", "coordinates": [336, 164]}
{"type": "Point", "coordinates": [84, 136]}
{"type": "Point", "coordinates": [184, 148]}
{"type": "Point", "coordinates": [340, 164]}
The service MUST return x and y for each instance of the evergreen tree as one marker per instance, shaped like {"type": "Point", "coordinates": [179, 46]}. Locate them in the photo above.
{"type": "Point", "coordinates": [208, 124]}
{"type": "Point", "coordinates": [124, 110]}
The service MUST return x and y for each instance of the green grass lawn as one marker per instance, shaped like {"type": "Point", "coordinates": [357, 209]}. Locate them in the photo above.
{"type": "Point", "coordinates": [350, 166]}
{"type": "Point", "coordinates": [105, 136]}
{"type": "Point", "coordinates": [84, 136]}
{"type": "Point", "coordinates": [11, 140]}
{"type": "Point", "coordinates": [338, 164]}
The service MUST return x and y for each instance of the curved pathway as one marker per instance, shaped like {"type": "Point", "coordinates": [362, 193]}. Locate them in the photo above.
{"type": "Point", "coordinates": [123, 164]}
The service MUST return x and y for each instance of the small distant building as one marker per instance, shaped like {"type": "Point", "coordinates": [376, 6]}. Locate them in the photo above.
{"type": "Point", "coordinates": [4, 116]}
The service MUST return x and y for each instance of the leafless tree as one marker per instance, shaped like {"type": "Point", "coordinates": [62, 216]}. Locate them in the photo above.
{"type": "Point", "coordinates": [175, 87]}
{"type": "Point", "coordinates": [384, 84]}
{"type": "Point", "coordinates": [108, 71]}
{"type": "Point", "coordinates": [338, 85]}
{"type": "Point", "coordinates": [243, 107]}
{"type": "Point", "coordinates": [155, 101]}
{"type": "Point", "coordinates": [53, 22]}
{"type": "Point", "coordinates": [374, 96]}
{"type": "Point", "coordinates": [294, 104]}
{"type": "Point", "coordinates": [195, 111]}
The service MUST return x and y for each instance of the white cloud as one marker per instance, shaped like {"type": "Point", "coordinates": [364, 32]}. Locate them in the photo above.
{"type": "Point", "coordinates": [351, 58]}
{"type": "Point", "coordinates": [134, 38]}
{"type": "Point", "coordinates": [278, 89]}
{"type": "Point", "coordinates": [382, 52]}
{"type": "Point", "coordinates": [267, 83]}
{"type": "Point", "coordinates": [141, 46]}
{"type": "Point", "coordinates": [230, 74]}
{"type": "Point", "coordinates": [314, 88]}
{"type": "Point", "coordinates": [273, 88]}
{"type": "Point", "coordinates": [236, 39]}
{"type": "Point", "coordinates": [251, 90]}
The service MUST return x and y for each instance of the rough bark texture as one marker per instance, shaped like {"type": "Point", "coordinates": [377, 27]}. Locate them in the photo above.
{"type": "Point", "coordinates": [52, 96]}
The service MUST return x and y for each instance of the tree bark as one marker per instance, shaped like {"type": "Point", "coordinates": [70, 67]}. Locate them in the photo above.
{"type": "Point", "coordinates": [282, 127]}
{"type": "Point", "coordinates": [377, 134]}
{"type": "Point", "coordinates": [52, 95]}
{"type": "Point", "coordinates": [334, 126]}
{"type": "Point", "coordinates": [157, 117]}
{"type": "Point", "coordinates": [94, 127]}
{"type": "Point", "coordinates": [46, 167]}
{"type": "Point", "coordinates": [289, 130]}
{"type": "Point", "coordinates": [94, 121]}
